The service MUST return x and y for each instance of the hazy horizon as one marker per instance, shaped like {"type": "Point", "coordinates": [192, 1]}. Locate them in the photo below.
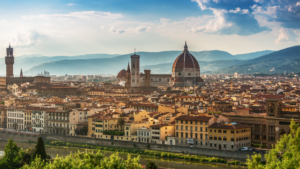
{"type": "Point", "coordinates": [76, 27]}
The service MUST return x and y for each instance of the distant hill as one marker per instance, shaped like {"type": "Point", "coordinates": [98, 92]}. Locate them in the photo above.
{"type": "Point", "coordinates": [253, 55]}
{"type": "Point", "coordinates": [107, 64]}
{"type": "Point", "coordinates": [276, 62]}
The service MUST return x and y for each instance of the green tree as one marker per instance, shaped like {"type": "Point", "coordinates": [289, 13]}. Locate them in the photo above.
{"type": "Point", "coordinates": [87, 160]}
{"type": "Point", "coordinates": [2, 102]}
{"type": "Point", "coordinates": [12, 156]}
{"type": "Point", "coordinates": [151, 165]}
{"type": "Point", "coordinates": [39, 150]}
{"type": "Point", "coordinates": [285, 154]}
{"type": "Point", "coordinates": [81, 131]}
{"type": "Point", "coordinates": [121, 123]}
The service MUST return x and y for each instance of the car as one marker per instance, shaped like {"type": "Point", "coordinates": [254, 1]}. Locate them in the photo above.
{"type": "Point", "coordinates": [191, 146]}
{"type": "Point", "coordinates": [250, 149]}
{"type": "Point", "coordinates": [244, 149]}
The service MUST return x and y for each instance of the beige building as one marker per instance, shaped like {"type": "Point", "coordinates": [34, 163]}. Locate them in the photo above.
{"type": "Point", "coordinates": [59, 122]}
{"type": "Point", "coordinates": [3, 116]}
{"type": "Point", "coordinates": [15, 118]}
{"type": "Point", "coordinates": [160, 132]}
{"type": "Point", "coordinates": [192, 130]}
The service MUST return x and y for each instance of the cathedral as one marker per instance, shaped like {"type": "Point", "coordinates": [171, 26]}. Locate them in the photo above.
{"type": "Point", "coordinates": [185, 73]}
{"type": "Point", "coordinates": [9, 79]}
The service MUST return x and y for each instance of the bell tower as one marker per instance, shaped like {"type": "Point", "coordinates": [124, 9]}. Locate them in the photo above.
{"type": "Point", "coordinates": [135, 70]}
{"type": "Point", "coordinates": [9, 61]}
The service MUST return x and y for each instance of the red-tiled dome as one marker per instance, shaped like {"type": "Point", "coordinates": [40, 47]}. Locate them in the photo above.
{"type": "Point", "coordinates": [122, 74]}
{"type": "Point", "coordinates": [185, 60]}
{"type": "Point", "coordinates": [199, 79]}
{"type": "Point", "coordinates": [178, 80]}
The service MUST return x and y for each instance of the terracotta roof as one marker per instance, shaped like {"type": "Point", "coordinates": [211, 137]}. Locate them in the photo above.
{"type": "Point", "coordinates": [193, 118]}
{"type": "Point", "coordinates": [185, 60]}
{"type": "Point", "coordinates": [122, 74]}
{"type": "Point", "coordinates": [228, 126]}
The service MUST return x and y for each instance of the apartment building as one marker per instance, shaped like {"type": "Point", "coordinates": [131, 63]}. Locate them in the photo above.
{"type": "Point", "coordinates": [3, 116]}
{"type": "Point", "coordinates": [192, 130]}
{"type": "Point", "coordinates": [15, 118]}
{"type": "Point", "coordinates": [232, 136]}
{"type": "Point", "coordinates": [59, 122]}
{"type": "Point", "coordinates": [160, 132]}
{"type": "Point", "coordinates": [39, 119]}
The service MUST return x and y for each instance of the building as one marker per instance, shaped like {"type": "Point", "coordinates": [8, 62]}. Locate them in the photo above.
{"type": "Point", "coordinates": [77, 116]}
{"type": "Point", "coordinates": [59, 122]}
{"type": "Point", "coordinates": [144, 135]}
{"type": "Point", "coordinates": [266, 128]}
{"type": "Point", "coordinates": [128, 78]}
{"type": "Point", "coordinates": [160, 132]}
{"type": "Point", "coordinates": [192, 130]}
{"type": "Point", "coordinates": [231, 136]}
{"type": "Point", "coordinates": [186, 70]}
{"type": "Point", "coordinates": [10, 79]}
{"type": "Point", "coordinates": [15, 118]}
{"type": "Point", "coordinates": [3, 116]}
{"type": "Point", "coordinates": [27, 121]}
{"type": "Point", "coordinates": [39, 120]}
{"type": "Point", "coordinates": [135, 70]}
{"type": "Point", "coordinates": [121, 76]}
{"type": "Point", "coordinates": [236, 75]}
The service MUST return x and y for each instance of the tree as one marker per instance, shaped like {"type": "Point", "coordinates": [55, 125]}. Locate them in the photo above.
{"type": "Point", "coordinates": [285, 154]}
{"type": "Point", "coordinates": [151, 165]}
{"type": "Point", "coordinates": [39, 150]}
{"type": "Point", "coordinates": [121, 123]}
{"type": "Point", "coordinates": [81, 131]}
{"type": "Point", "coordinates": [86, 160]}
{"type": "Point", "coordinates": [12, 156]}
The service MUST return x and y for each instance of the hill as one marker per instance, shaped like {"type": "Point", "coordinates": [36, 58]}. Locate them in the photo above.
{"type": "Point", "coordinates": [276, 62]}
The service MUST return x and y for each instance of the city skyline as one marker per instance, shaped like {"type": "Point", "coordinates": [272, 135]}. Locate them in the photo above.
{"type": "Point", "coordinates": [117, 27]}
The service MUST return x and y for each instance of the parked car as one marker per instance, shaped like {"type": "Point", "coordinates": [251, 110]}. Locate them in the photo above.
{"type": "Point", "coordinates": [250, 149]}
{"type": "Point", "coordinates": [244, 149]}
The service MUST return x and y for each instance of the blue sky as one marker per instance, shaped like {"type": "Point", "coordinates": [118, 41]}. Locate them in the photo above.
{"type": "Point", "coordinates": [75, 27]}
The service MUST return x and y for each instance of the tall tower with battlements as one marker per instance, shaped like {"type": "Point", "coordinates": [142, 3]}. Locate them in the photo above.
{"type": "Point", "coordinates": [135, 70]}
{"type": "Point", "coordinates": [9, 61]}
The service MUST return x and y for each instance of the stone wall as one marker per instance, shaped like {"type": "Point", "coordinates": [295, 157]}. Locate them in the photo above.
{"type": "Point", "coordinates": [117, 143]}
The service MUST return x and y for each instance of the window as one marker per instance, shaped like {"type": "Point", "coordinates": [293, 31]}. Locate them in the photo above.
{"type": "Point", "coordinates": [232, 132]}
{"type": "Point", "coordinates": [232, 139]}
{"type": "Point", "coordinates": [224, 131]}
{"type": "Point", "coordinates": [224, 138]}
{"type": "Point", "coordinates": [191, 122]}
{"type": "Point", "coordinates": [176, 127]}
{"type": "Point", "coordinates": [191, 128]}
{"type": "Point", "coordinates": [181, 127]}
{"type": "Point", "coordinates": [186, 127]}
{"type": "Point", "coordinates": [196, 128]}
{"type": "Point", "coordinates": [225, 146]}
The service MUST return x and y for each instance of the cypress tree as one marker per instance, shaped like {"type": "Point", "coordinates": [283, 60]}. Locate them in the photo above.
{"type": "Point", "coordinates": [39, 150]}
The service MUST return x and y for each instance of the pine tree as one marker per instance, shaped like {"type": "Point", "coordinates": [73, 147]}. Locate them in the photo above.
{"type": "Point", "coordinates": [39, 150]}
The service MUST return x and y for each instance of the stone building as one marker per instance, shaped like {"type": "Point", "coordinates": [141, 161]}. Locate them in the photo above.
{"type": "Point", "coordinates": [185, 72]}
{"type": "Point", "coordinates": [9, 79]}
{"type": "Point", "coordinates": [59, 122]}
{"type": "Point", "coordinates": [266, 129]}
{"type": "Point", "coordinates": [15, 118]}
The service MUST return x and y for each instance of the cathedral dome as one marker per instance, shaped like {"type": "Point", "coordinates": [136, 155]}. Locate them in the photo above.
{"type": "Point", "coordinates": [185, 60]}
{"type": "Point", "coordinates": [122, 74]}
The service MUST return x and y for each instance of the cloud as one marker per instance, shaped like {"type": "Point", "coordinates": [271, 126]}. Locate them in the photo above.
{"type": "Point", "coordinates": [75, 15]}
{"type": "Point", "coordinates": [287, 35]}
{"type": "Point", "coordinates": [117, 31]}
{"type": "Point", "coordinates": [286, 12]}
{"type": "Point", "coordinates": [70, 4]}
{"type": "Point", "coordinates": [230, 17]}
{"type": "Point", "coordinates": [25, 38]}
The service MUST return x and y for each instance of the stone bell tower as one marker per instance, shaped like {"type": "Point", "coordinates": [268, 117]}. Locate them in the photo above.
{"type": "Point", "coordinates": [135, 70]}
{"type": "Point", "coordinates": [9, 61]}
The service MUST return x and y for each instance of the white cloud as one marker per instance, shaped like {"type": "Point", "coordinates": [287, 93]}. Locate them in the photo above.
{"type": "Point", "coordinates": [117, 31]}
{"type": "Point", "coordinates": [237, 10]}
{"type": "Point", "coordinates": [25, 38]}
{"type": "Point", "coordinates": [245, 11]}
{"type": "Point", "coordinates": [259, 1]}
{"type": "Point", "coordinates": [215, 24]}
{"type": "Point", "coordinates": [287, 35]}
{"type": "Point", "coordinates": [75, 15]}
{"type": "Point", "coordinates": [70, 4]}
{"type": "Point", "coordinates": [270, 10]}
{"type": "Point", "coordinates": [298, 3]}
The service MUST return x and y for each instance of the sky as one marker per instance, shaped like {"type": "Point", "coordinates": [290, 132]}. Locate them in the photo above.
{"type": "Point", "coordinates": [76, 27]}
